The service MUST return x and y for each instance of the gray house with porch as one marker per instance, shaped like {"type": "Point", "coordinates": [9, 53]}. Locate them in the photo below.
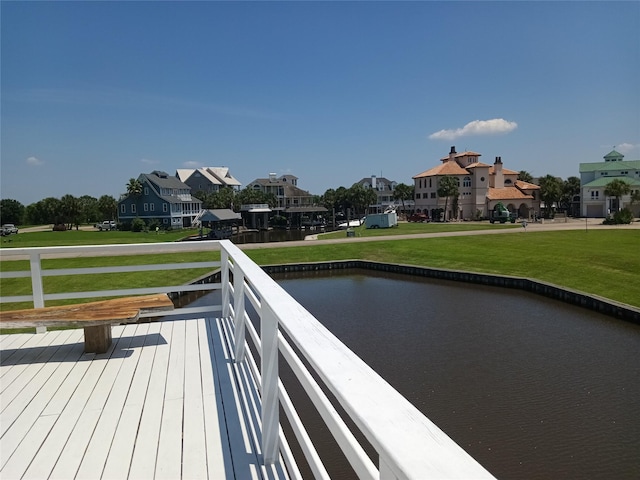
{"type": "Point", "coordinates": [164, 198]}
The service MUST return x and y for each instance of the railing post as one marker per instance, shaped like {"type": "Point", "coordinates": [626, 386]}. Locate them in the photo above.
{"type": "Point", "coordinates": [224, 280]}
{"type": "Point", "coordinates": [36, 285]}
{"type": "Point", "coordinates": [269, 383]}
{"type": "Point", "coordinates": [36, 280]}
{"type": "Point", "coordinates": [239, 314]}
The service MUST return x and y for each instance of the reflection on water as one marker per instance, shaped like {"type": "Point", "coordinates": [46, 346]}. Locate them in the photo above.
{"type": "Point", "coordinates": [530, 387]}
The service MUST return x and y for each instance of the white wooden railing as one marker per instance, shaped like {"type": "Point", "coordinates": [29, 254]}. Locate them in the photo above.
{"type": "Point", "coordinates": [407, 444]}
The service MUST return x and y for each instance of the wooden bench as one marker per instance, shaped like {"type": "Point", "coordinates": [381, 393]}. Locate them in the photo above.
{"type": "Point", "coordinates": [95, 317]}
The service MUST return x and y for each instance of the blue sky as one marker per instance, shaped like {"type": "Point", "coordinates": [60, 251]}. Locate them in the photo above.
{"type": "Point", "coordinates": [94, 93]}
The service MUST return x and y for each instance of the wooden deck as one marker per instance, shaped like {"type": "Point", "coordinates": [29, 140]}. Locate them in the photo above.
{"type": "Point", "coordinates": [165, 401]}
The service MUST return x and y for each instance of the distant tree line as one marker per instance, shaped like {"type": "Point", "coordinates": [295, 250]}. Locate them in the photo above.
{"type": "Point", "coordinates": [68, 210]}
{"type": "Point", "coordinates": [74, 211]}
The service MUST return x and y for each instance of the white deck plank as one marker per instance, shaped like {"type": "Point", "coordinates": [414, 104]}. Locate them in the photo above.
{"type": "Point", "coordinates": [14, 341]}
{"type": "Point", "coordinates": [96, 454]}
{"type": "Point", "coordinates": [27, 449]}
{"type": "Point", "coordinates": [18, 364]}
{"type": "Point", "coordinates": [219, 458]}
{"type": "Point", "coordinates": [151, 407]}
{"type": "Point", "coordinates": [145, 451]}
{"type": "Point", "coordinates": [124, 439]}
{"type": "Point", "coordinates": [47, 456]}
{"type": "Point", "coordinates": [194, 461]}
{"type": "Point", "coordinates": [74, 429]}
{"type": "Point", "coordinates": [20, 417]}
{"type": "Point", "coordinates": [71, 453]}
{"type": "Point", "coordinates": [170, 442]}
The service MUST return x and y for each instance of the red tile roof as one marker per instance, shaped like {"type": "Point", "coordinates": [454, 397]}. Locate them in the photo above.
{"type": "Point", "coordinates": [505, 171]}
{"type": "Point", "coordinates": [526, 185]}
{"type": "Point", "coordinates": [447, 168]}
{"type": "Point", "coordinates": [478, 164]}
{"type": "Point", "coordinates": [507, 193]}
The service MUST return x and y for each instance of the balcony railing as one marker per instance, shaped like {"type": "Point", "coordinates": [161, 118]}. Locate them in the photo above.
{"type": "Point", "coordinates": [407, 444]}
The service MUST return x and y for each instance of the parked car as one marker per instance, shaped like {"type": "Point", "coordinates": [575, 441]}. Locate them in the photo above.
{"type": "Point", "coordinates": [106, 225]}
{"type": "Point", "coordinates": [418, 217]}
{"type": "Point", "coordinates": [8, 229]}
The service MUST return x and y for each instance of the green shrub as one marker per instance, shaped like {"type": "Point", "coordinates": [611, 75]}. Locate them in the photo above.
{"type": "Point", "coordinates": [624, 216]}
{"type": "Point", "coordinates": [138, 225]}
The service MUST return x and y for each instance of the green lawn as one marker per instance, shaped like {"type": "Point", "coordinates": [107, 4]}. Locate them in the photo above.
{"type": "Point", "coordinates": [600, 262]}
{"type": "Point", "coordinates": [604, 263]}
{"type": "Point", "coordinates": [88, 237]}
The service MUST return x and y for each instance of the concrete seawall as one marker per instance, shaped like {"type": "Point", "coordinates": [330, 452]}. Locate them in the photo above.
{"type": "Point", "coordinates": [574, 297]}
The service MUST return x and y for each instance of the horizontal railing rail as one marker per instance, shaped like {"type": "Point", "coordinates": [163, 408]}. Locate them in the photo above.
{"type": "Point", "coordinates": [39, 297]}
{"type": "Point", "coordinates": [406, 443]}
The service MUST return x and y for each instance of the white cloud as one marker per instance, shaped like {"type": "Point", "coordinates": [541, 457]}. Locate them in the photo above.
{"type": "Point", "coordinates": [192, 164]}
{"type": "Point", "coordinates": [494, 126]}
{"type": "Point", "coordinates": [34, 161]}
{"type": "Point", "coordinates": [626, 148]}
{"type": "Point", "coordinates": [148, 161]}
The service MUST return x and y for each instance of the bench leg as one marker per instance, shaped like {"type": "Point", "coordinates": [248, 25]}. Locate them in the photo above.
{"type": "Point", "coordinates": [97, 339]}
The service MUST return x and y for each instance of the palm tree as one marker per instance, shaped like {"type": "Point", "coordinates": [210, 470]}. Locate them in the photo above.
{"type": "Point", "coordinates": [525, 176]}
{"type": "Point", "coordinates": [550, 192]}
{"type": "Point", "coordinates": [403, 192]}
{"type": "Point", "coordinates": [617, 188]}
{"type": "Point", "coordinates": [70, 210]}
{"type": "Point", "coordinates": [447, 187]}
{"type": "Point", "coordinates": [134, 188]}
{"type": "Point", "coordinates": [108, 207]}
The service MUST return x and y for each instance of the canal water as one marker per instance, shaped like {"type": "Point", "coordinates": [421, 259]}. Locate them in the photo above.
{"type": "Point", "coordinates": [532, 388]}
{"type": "Point", "coordinates": [276, 235]}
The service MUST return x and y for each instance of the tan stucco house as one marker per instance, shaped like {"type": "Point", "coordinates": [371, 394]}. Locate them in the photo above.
{"type": "Point", "coordinates": [480, 186]}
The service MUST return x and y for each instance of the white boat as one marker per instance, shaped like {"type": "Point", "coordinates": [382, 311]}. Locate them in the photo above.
{"type": "Point", "coordinates": [352, 223]}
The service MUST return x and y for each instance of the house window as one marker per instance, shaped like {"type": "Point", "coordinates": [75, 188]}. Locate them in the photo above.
{"type": "Point", "coordinates": [429, 183]}
{"type": "Point", "coordinates": [433, 194]}
{"type": "Point", "coordinates": [146, 191]}
{"type": "Point", "coordinates": [146, 207]}
{"type": "Point", "coordinates": [595, 194]}
{"type": "Point", "coordinates": [466, 182]}
{"type": "Point", "coordinates": [133, 208]}
{"type": "Point", "coordinates": [417, 195]}
{"type": "Point", "coordinates": [164, 208]}
{"type": "Point", "coordinates": [152, 206]}
{"type": "Point", "coordinates": [123, 208]}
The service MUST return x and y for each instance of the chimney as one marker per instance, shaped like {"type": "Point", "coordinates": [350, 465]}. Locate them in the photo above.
{"type": "Point", "coordinates": [498, 176]}
{"type": "Point", "coordinates": [373, 182]}
{"type": "Point", "coordinates": [272, 177]}
{"type": "Point", "coordinates": [452, 153]}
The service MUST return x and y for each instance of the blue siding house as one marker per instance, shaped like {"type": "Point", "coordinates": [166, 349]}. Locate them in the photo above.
{"type": "Point", "coordinates": [164, 198]}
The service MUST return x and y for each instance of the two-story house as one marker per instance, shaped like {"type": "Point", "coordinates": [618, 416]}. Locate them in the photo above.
{"type": "Point", "coordinates": [384, 189]}
{"type": "Point", "coordinates": [594, 178]}
{"type": "Point", "coordinates": [285, 189]}
{"type": "Point", "coordinates": [480, 188]}
{"type": "Point", "coordinates": [207, 179]}
{"type": "Point", "coordinates": [163, 198]}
